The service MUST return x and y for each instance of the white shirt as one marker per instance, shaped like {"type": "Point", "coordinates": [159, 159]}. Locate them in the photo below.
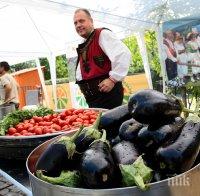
{"type": "Point", "coordinates": [167, 52]}
{"type": "Point", "coordinates": [116, 51]}
{"type": "Point", "coordinates": [7, 79]}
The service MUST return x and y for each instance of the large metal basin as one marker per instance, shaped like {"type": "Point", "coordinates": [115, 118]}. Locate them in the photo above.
{"type": "Point", "coordinates": [186, 184]}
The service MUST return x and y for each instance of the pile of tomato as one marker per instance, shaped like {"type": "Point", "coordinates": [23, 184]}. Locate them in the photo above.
{"type": "Point", "coordinates": [64, 121]}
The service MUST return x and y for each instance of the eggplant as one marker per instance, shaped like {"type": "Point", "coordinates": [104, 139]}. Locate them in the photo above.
{"type": "Point", "coordinates": [153, 107]}
{"type": "Point", "coordinates": [150, 138]}
{"type": "Point", "coordinates": [58, 156]}
{"type": "Point", "coordinates": [97, 165]}
{"type": "Point", "coordinates": [124, 153]}
{"type": "Point", "coordinates": [112, 119]}
{"type": "Point", "coordinates": [115, 141]}
{"type": "Point", "coordinates": [180, 155]}
{"type": "Point", "coordinates": [129, 130]}
{"type": "Point", "coordinates": [88, 135]}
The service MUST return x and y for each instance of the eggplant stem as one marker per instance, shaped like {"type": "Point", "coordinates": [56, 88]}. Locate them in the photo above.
{"type": "Point", "coordinates": [103, 137]}
{"type": "Point", "coordinates": [77, 133]}
{"type": "Point", "coordinates": [183, 108]}
{"type": "Point", "coordinates": [97, 121]}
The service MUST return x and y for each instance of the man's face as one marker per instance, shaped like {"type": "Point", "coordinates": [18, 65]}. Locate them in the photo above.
{"type": "Point", "coordinates": [170, 35]}
{"type": "Point", "coordinates": [83, 24]}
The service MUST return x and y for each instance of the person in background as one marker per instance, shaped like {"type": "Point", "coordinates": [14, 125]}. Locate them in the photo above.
{"type": "Point", "coordinates": [170, 53]}
{"type": "Point", "coordinates": [103, 62]}
{"type": "Point", "coordinates": [179, 45]}
{"type": "Point", "coordinates": [193, 52]}
{"type": "Point", "coordinates": [8, 85]}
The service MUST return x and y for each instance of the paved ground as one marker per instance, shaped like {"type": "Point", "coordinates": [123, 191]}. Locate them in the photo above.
{"type": "Point", "coordinates": [8, 189]}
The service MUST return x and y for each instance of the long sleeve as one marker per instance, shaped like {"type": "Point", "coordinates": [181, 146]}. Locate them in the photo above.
{"type": "Point", "coordinates": [168, 54]}
{"type": "Point", "coordinates": [117, 52]}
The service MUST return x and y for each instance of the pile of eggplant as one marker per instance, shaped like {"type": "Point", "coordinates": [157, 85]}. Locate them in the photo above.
{"type": "Point", "coordinates": [137, 143]}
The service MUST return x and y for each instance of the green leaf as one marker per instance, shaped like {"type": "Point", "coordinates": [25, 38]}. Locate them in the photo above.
{"type": "Point", "coordinates": [193, 118]}
{"type": "Point", "coordinates": [136, 174]}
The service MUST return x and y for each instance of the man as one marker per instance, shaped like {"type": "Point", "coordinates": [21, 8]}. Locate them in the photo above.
{"type": "Point", "coordinates": [103, 62]}
{"type": "Point", "coordinates": [8, 85]}
{"type": "Point", "coordinates": [171, 56]}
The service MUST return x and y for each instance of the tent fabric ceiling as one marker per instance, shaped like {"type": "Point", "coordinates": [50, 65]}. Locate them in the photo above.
{"type": "Point", "coordinates": [40, 28]}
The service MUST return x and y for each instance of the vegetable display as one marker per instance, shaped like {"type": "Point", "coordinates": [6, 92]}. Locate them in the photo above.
{"type": "Point", "coordinates": [45, 121]}
{"type": "Point", "coordinates": [144, 141]}
{"type": "Point", "coordinates": [17, 116]}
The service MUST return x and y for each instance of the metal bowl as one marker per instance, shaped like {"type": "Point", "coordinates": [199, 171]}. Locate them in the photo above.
{"type": "Point", "coordinates": [185, 184]}
{"type": "Point", "coordinates": [12, 147]}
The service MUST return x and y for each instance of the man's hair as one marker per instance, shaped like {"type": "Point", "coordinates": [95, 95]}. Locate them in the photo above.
{"type": "Point", "coordinates": [5, 65]}
{"type": "Point", "coordinates": [84, 10]}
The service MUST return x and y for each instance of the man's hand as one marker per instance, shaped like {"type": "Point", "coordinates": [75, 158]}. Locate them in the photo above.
{"type": "Point", "coordinates": [106, 85]}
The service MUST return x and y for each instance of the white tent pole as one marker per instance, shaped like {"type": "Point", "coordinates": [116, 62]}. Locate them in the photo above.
{"type": "Point", "coordinates": [143, 51]}
{"type": "Point", "coordinates": [52, 64]}
{"type": "Point", "coordinates": [159, 38]}
{"type": "Point", "coordinates": [46, 97]}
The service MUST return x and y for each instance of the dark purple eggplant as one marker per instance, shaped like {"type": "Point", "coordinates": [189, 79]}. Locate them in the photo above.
{"type": "Point", "coordinates": [97, 165]}
{"type": "Point", "coordinates": [88, 135]}
{"type": "Point", "coordinates": [58, 156]}
{"type": "Point", "coordinates": [129, 130]}
{"type": "Point", "coordinates": [112, 119]}
{"type": "Point", "coordinates": [115, 141]}
{"type": "Point", "coordinates": [124, 153]}
{"type": "Point", "coordinates": [153, 107]}
{"type": "Point", "coordinates": [179, 156]}
{"type": "Point", "coordinates": [150, 138]}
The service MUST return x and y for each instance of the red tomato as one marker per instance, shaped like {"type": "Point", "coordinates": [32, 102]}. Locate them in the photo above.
{"type": "Point", "coordinates": [38, 131]}
{"type": "Point", "coordinates": [86, 121]}
{"type": "Point", "coordinates": [79, 120]}
{"type": "Point", "coordinates": [68, 112]}
{"type": "Point", "coordinates": [56, 127]}
{"type": "Point", "coordinates": [12, 131]}
{"type": "Point", "coordinates": [54, 115]}
{"type": "Point", "coordinates": [62, 115]}
{"type": "Point", "coordinates": [77, 111]}
{"type": "Point", "coordinates": [27, 125]}
{"type": "Point", "coordinates": [37, 118]}
{"type": "Point", "coordinates": [28, 134]}
{"type": "Point", "coordinates": [93, 116]}
{"type": "Point", "coordinates": [31, 129]}
{"type": "Point", "coordinates": [23, 132]}
{"type": "Point", "coordinates": [72, 118]}
{"type": "Point", "coordinates": [85, 117]}
{"type": "Point", "coordinates": [45, 123]}
{"type": "Point", "coordinates": [19, 127]}
{"type": "Point", "coordinates": [66, 128]}
{"type": "Point", "coordinates": [76, 124]}
{"type": "Point", "coordinates": [92, 120]}
{"type": "Point", "coordinates": [54, 120]}
{"type": "Point", "coordinates": [25, 121]}
{"type": "Point", "coordinates": [17, 134]}
{"type": "Point", "coordinates": [32, 121]}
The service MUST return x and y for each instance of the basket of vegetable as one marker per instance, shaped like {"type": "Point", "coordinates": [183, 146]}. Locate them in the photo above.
{"type": "Point", "coordinates": [22, 130]}
{"type": "Point", "coordinates": [142, 148]}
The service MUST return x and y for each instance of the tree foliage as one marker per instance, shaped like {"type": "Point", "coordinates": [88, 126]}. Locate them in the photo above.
{"type": "Point", "coordinates": [152, 51]}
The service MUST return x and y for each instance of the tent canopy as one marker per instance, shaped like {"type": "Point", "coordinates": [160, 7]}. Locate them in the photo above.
{"type": "Point", "coordinates": [41, 28]}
